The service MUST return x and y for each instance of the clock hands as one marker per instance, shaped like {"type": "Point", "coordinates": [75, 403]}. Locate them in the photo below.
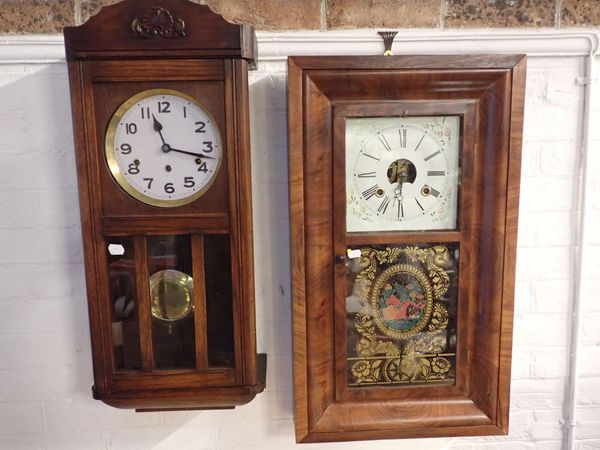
{"type": "Point", "coordinates": [167, 148]}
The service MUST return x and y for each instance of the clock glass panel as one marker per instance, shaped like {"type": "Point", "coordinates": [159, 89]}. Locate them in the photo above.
{"type": "Point", "coordinates": [172, 301]}
{"type": "Point", "coordinates": [402, 173]}
{"type": "Point", "coordinates": [163, 148]}
{"type": "Point", "coordinates": [401, 315]}
{"type": "Point", "coordinates": [123, 297]}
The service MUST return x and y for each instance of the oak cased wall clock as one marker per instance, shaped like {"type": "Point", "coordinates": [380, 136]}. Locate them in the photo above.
{"type": "Point", "coordinates": [404, 187]}
{"type": "Point", "coordinates": [159, 97]}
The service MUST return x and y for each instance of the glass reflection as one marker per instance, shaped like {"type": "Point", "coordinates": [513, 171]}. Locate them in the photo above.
{"type": "Point", "coordinates": [219, 301]}
{"type": "Point", "coordinates": [171, 298]}
{"type": "Point", "coordinates": [124, 319]}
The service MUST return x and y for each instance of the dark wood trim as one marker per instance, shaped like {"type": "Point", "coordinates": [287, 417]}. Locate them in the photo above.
{"type": "Point", "coordinates": [200, 224]}
{"type": "Point", "coordinates": [177, 399]}
{"type": "Point", "coordinates": [420, 62]}
{"type": "Point", "coordinates": [297, 246]}
{"type": "Point", "coordinates": [79, 105]}
{"type": "Point", "coordinates": [390, 237]}
{"type": "Point", "coordinates": [166, 70]}
{"type": "Point", "coordinates": [200, 34]}
{"type": "Point", "coordinates": [143, 302]}
{"type": "Point", "coordinates": [198, 274]}
{"type": "Point", "coordinates": [161, 379]}
{"type": "Point", "coordinates": [510, 241]}
{"type": "Point", "coordinates": [244, 181]}
{"type": "Point", "coordinates": [234, 208]}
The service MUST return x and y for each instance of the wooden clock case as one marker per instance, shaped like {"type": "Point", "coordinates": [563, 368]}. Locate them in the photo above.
{"type": "Point", "coordinates": [175, 44]}
{"type": "Point", "coordinates": [487, 92]}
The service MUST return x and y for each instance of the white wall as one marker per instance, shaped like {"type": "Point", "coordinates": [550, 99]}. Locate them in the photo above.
{"type": "Point", "coordinates": [45, 361]}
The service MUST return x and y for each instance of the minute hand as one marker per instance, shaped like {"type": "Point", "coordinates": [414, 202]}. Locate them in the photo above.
{"type": "Point", "coordinates": [199, 155]}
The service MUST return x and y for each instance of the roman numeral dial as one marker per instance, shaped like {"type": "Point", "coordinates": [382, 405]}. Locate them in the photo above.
{"type": "Point", "coordinates": [402, 172]}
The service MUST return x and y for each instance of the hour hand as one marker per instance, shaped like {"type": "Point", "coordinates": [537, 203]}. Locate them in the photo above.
{"type": "Point", "coordinates": [158, 127]}
{"type": "Point", "coordinates": [157, 124]}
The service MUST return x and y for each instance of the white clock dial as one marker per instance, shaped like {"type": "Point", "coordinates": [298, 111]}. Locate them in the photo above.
{"type": "Point", "coordinates": [402, 173]}
{"type": "Point", "coordinates": [163, 148]}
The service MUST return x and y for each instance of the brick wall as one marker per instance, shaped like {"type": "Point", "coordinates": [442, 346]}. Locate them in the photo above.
{"type": "Point", "coordinates": [50, 16]}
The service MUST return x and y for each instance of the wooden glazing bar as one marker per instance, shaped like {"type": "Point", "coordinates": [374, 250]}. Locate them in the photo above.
{"type": "Point", "coordinates": [143, 303]}
{"type": "Point", "coordinates": [426, 237]}
{"type": "Point", "coordinates": [199, 301]}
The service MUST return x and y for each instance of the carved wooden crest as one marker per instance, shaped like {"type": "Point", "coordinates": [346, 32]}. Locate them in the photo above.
{"type": "Point", "coordinates": [158, 22]}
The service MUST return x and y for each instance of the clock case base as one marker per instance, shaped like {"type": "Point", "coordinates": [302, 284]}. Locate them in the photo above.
{"type": "Point", "coordinates": [209, 60]}
{"type": "Point", "coordinates": [188, 399]}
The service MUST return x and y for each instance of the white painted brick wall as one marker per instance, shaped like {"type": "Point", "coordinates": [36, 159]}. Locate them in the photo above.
{"type": "Point", "coordinates": [45, 361]}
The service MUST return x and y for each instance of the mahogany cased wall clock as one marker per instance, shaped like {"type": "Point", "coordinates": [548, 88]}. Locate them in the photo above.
{"type": "Point", "coordinates": [404, 185]}
{"type": "Point", "coordinates": [159, 97]}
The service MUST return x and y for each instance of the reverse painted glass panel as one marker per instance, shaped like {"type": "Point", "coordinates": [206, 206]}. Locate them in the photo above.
{"type": "Point", "coordinates": [401, 312]}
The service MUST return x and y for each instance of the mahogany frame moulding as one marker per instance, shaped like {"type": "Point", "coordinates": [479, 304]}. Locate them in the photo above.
{"type": "Point", "coordinates": [487, 91]}
{"type": "Point", "coordinates": [107, 64]}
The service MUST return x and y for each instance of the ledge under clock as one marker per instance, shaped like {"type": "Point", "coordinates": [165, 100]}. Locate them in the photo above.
{"type": "Point", "coordinates": [404, 190]}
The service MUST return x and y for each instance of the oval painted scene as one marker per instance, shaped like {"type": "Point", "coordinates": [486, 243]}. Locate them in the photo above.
{"type": "Point", "coordinates": [402, 302]}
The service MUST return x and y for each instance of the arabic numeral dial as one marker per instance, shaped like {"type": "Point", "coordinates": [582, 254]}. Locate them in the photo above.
{"type": "Point", "coordinates": [163, 148]}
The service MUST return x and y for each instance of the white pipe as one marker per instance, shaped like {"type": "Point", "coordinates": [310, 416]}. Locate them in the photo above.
{"type": "Point", "coordinates": [584, 206]}
{"type": "Point", "coordinates": [277, 46]}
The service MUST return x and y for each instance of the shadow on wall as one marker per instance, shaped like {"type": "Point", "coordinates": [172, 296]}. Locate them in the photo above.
{"type": "Point", "coordinates": [268, 120]}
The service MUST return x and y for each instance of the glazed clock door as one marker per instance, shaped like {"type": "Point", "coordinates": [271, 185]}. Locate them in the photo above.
{"type": "Point", "coordinates": [404, 180]}
{"type": "Point", "coordinates": [400, 213]}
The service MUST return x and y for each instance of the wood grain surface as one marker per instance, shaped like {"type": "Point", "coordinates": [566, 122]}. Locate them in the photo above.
{"type": "Point", "coordinates": [486, 91]}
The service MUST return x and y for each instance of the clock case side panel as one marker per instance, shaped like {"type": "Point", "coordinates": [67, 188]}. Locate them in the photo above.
{"type": "Point", "coordinates": [318, 418]}
{"type": "Point", "coordinates": [297, 248]}
{"type": "Point", "coordinates": [517, 106]}
{"type": "Point", "coordinates": [253, 365]}
{"type": "Point", "coordinates": [312, 276]}
{"type": "Point", "coordinates": [90, 224]}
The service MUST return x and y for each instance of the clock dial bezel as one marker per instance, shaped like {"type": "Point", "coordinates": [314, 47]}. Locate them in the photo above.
{"type": "Point", "coordinates": [113, 164]}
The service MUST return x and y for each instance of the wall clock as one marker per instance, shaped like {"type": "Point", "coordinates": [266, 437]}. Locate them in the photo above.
{"type": "Point", "coordinates": [160, 111]}
{"type": "Point", "coordinates": [404, 184]}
